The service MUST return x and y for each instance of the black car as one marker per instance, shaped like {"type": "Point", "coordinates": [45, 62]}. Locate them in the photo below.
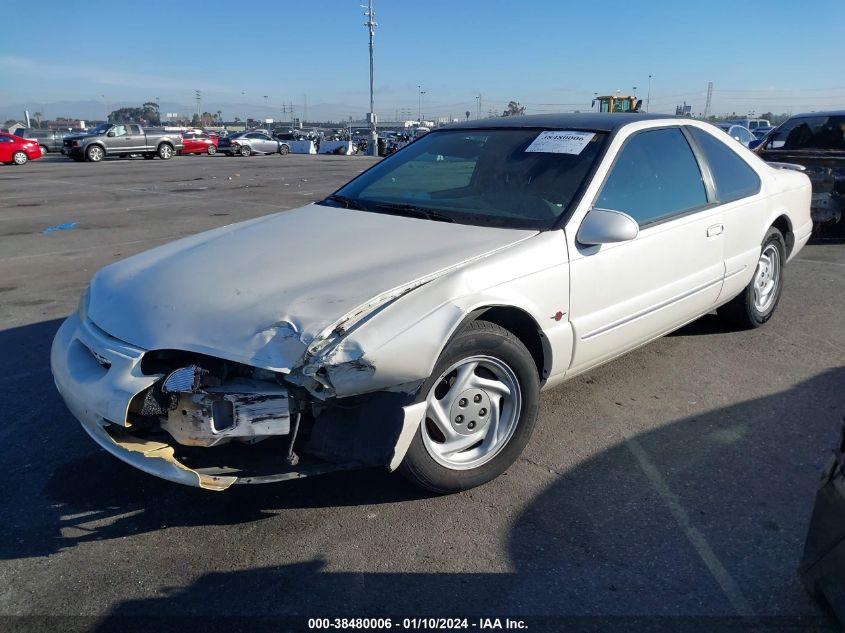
{"type": "Point", "coordinates": [815, 141]}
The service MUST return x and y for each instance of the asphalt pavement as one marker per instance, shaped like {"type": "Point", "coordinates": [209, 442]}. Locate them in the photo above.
{"type": "Point", "coordinates": [677, 481]}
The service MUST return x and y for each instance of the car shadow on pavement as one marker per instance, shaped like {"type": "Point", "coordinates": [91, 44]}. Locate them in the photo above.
{"type": "Point", "coordinates": [702, 517]}
{"type": "Point", "coordinates": [706, 515]}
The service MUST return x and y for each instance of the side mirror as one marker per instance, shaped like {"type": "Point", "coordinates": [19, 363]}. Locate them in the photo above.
{"type": "Point", "coordinates": [604, 226]}
{"type": "Point", "coordinates": [755, 143]}
{"type": "Point", "coordinates": [111, 133]}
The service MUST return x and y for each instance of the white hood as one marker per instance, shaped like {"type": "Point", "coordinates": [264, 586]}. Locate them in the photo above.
{"type": "Point", "coordinates": [259, 292]}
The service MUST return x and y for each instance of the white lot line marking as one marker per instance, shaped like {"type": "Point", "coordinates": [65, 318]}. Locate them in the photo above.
{"type": "Point", "coordinates": [167, 238]}
{"type": "Point", "coordinates": [696, 538]}
{"type": "Point", "coordinates": [817, 261]}
{"type": "Point", "coordinates": [88, 212]}
{"type": "Point", "coordinates": [26, 374]}
{"type": "Point", "coordinates": [161, 193]}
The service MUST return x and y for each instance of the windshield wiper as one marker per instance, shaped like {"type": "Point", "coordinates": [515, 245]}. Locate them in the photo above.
{"type": "Point", "coordinates": [349, 203]}
{"type": "Point", "coordinates": [412, 209]}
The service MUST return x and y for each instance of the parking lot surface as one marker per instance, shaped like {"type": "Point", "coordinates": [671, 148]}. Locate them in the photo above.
{"type": "Point", "coordinates": [676, 481]}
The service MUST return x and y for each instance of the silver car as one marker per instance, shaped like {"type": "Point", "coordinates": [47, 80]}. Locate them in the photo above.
{"type": "Point", "coordinates": [738, 132]}
{"type": "Point", "coordinates": [254, 142]}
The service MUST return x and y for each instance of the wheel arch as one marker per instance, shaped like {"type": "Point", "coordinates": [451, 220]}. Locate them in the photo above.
{"type": "Point", "coordinates": [783, 224]}
{"type": "Point", "coordinates": [523, 326]}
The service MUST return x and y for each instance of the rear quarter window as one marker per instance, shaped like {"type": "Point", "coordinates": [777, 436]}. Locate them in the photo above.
{"type": "Point", "coordinates": [734, 178]}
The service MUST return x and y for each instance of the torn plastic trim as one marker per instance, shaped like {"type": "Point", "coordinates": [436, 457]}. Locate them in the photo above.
{"type": "Point", "coordinates": [414, 415]}
{"type": "Point", "coordinates": [154, 458]}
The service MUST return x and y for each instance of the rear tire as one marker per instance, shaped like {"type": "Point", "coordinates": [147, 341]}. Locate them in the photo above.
{"type": "Point", "coordinates": [212, 150]}
{"type": "Point", "coordinates": [165, 151]}
{"type": "Point", "coordinates": [484, 391]}
{"type": "Point", "coordinates": [245, 150]}
{"type": "Point", "coordinates": [757, 302]}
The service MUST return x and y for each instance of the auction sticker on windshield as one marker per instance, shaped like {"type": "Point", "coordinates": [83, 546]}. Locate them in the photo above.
{"type": "Point", "coordinates": [561, 142]}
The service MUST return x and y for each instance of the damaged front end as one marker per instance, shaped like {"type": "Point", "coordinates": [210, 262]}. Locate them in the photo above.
{"type": "Point", "coordinates": [208, 422]}
{"type": "Point", "coordinates": [204, 421]}
{"type": "Point", "coordinates": [227, 420]}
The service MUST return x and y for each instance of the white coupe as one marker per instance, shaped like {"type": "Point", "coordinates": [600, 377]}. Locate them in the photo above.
{"type": "Point", "coordinates": [412, 318]}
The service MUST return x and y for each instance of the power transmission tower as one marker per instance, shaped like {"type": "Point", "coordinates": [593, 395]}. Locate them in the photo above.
{"type": "Point", "coordinates": [709, 97]}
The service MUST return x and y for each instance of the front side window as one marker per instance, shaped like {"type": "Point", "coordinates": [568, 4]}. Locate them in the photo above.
{"type": "Point", "coordinates": [809, 133]}
{"type": "Point", "coordinates": [119, 130]}
{"type": "Point", "coordinates": [734, 178]}
{"type": "Point", "coordinates": [516, 178]}
{"type": "Point", "coordinates": [654, 178]}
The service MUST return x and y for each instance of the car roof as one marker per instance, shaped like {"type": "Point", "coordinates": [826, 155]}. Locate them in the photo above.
{"type": "Point", "coordinates": [826, 113]}
{"type": "Point", "coordinates": [598, 121]}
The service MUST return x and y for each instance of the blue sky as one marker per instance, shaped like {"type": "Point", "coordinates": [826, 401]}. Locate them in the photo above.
{"type": "Point", "coordinates": [552, 55]}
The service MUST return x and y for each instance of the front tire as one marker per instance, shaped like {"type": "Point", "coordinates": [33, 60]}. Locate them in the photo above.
{"type": "Point", "coordinates": [483, 397]}
{"type": "Point", "coordinates": [284, 149]}
{"type": "Point", "coordinates": [20, 158]}
{"type": "Point", "coordinates": [95, 153]}
{"type": "Point", "coordinates": [44, 150]}
{"type": "Point", "coordinates": [757, 302]}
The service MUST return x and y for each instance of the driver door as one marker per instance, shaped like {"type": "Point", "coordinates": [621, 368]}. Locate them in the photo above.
{"type": "Point", "coordinates": [627, 293]}
{"type": "Point", "coordinates": [118, 139]}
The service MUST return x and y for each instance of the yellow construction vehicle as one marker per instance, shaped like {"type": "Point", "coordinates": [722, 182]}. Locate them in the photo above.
{"type": "Point", "coordinates": [618, 103]}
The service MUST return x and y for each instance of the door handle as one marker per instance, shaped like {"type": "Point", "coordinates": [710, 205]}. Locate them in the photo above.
{"type": "Point", "coordinates": [715, 229]}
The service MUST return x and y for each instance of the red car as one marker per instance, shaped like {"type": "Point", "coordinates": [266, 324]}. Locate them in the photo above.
{"type": "Point", "coordinates": [17, 150]}
{"type": "Point", "coordinates": [199, 143]}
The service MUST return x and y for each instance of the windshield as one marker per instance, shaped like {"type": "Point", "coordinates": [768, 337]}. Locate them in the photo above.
{"type": "Point", "coordinates": [516, 178]}
{"type": "Point", "coordinates": [811, 133]}
{"type": "Point", "coordinates": [100, 129]}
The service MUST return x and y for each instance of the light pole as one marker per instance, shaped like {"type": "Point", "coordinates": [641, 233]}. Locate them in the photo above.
{"type": "Point", "coordinates": [419, 112]}
{"type": "Point", "coordinates": [372, 148]}
{"type": "Point", "coordinates": [648, 96]}
{"type": "Point", "coordinates": [422, 96]}
{"type": "Point", "coordinates": [478, 99]}
{"type": "Point", "coordinates": [266, 109]}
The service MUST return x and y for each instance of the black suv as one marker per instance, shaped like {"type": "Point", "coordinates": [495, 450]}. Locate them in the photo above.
{"type": "Point", "coordinates": [815, 141]}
